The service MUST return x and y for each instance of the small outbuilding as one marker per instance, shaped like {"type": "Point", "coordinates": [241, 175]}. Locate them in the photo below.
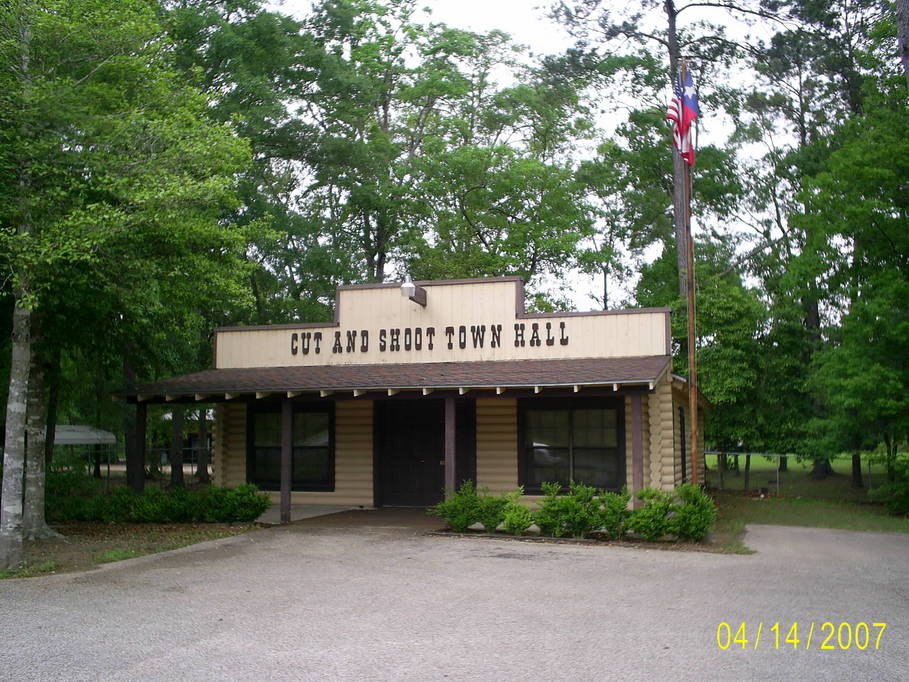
{"type": "Point", "coordinates": [402, 397]}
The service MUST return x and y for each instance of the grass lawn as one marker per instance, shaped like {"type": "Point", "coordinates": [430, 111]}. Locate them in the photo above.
{"type": "Point", "coordinates": [828, 503]}
{"type": "Point", "coordinates": [85, 545]}
{"type": "Point", "coordinates": [807, 512]}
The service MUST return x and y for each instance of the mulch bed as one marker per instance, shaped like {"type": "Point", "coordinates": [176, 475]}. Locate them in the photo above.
{"type": "Point", "coordinates": [86, 545]}
{"type": "Point", "coordinates": [669, 545]}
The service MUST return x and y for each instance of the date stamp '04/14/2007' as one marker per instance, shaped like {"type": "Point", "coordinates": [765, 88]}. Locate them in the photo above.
{"type": "Point", "coordinates": [826, 636]}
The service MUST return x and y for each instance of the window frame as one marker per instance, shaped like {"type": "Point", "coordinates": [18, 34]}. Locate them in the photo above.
{"type": "Point", "coordinates": [526, 405]}
{"type": "Point", "coordinates": [253, 409]}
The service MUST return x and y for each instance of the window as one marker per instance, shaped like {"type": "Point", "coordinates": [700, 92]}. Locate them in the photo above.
{"type": "Point", "coordinates": [312, 460]}
{"type": "Point", "coordinates": [564, 441]}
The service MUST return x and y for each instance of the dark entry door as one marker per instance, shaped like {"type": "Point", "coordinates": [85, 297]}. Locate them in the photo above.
{"type": "Point", "coordinates": [411, 452]}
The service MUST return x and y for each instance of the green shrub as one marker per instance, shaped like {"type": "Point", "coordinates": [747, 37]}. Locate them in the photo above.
{"type": "Point", "coordinates": [614, 513]}
{"type": "Point", "coordinates": [152, 506]}
{"type": "Point", "coordinates": [694, 514]}
{"type": "Point", "coordinates": [491, 510]}
{"type": "Point", "coordinates": [242, 503]}
{"type": "Point", "coordinates": [550, 517]}
{"type": "Point", "coordinates": [580, 510]}
{"type": "Point", "coordinates": [460, 510]}
{"type": "Point", "coordinates": [214, 505]}
{"type": "Point", "coordinates": [652, 521]}
{"type": "Point", "coordinates": [575, 514]}
{"type": "Point", "coordinates": [893, 495]}
{"type": "Point", "coordinates": [518, 518]}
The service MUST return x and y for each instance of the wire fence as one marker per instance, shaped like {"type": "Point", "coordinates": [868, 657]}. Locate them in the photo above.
{"type": "Point", "coordinates": [723, 470]}
{"type": "Point", "coordinates": [777, 473]}
{"type": "Point", "coordinates": [108, 463]}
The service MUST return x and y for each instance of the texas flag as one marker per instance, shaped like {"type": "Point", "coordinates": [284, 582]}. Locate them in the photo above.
{"type": "Point", "coordinates": [683, 109]}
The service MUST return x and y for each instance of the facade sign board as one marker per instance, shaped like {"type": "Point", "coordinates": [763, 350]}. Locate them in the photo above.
{"type": "Point", "coordinates": [461, 322]}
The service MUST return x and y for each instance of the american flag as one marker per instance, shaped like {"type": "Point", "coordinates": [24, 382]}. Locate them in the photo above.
{"type": "Point", "coordinates": [683, 109]}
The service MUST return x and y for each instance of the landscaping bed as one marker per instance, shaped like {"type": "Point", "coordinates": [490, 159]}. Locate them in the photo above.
{"type": "Point", "coordinates": [85, 545]}
{"type": "Point", "coordinates": [714, 544]}
{"type": "Point", "coordinates": [584, 514]}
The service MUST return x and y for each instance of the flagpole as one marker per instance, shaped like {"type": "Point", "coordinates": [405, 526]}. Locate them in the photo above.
{"type": "Point", "coordinates": [692, 350]}
{"type": "Point", "coordinates": [690, 303]}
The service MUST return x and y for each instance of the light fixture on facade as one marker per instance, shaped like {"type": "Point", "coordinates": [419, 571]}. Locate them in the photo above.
{"type": "Point", "coordinates": [411, 291]}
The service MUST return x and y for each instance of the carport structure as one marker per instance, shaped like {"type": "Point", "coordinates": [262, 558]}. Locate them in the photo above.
{"type": "Point", "coordinates": [403, 397]}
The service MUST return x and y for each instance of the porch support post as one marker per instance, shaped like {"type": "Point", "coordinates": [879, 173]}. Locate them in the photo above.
{"type": "Point", "coordinates": [637, 447]}
{"type": "Point", "coordinates": [450, 450]}
{"type": "Point", "coordinates": [135, 464]}
{"type": "Point", "coordinates": [287, 423]}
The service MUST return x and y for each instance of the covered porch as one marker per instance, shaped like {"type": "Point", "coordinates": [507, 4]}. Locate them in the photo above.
{"type": "Point", "coordinates": [475, 404]}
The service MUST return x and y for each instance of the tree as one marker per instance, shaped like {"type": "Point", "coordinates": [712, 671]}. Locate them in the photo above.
{"type": "Point", "coordinates": [860, 201]}
{"type": "Point", "coordinates": [251, 63]}
{"type": "Point", "coordinates": [600, 30]}
{"type": "Point", "coordinates": [112, 173]}
{"type": "Point", "coordinates": [902, 34]}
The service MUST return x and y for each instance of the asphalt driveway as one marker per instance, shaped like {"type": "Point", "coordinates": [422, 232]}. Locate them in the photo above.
{"type": "Point", "coordinates": [312, 602]}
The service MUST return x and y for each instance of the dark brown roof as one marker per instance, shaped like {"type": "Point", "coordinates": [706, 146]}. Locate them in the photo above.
{"type": "Point", "coordinates": [439, 375]}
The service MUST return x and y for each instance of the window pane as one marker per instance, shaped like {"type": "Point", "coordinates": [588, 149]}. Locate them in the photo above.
{"type": "Point", "coordinates": [266, 466]}
{"type": "Point", "coordinates": [595, 428]}
{"type": "Point", "coordinates": [547, 465]}
{"type": "Point", "coordinates": [599, 467]}
{"type": "Point", "coordinates": [267, 429]}
{"type": "Point", "coordinates": [311, 467]}
{"type": "Point", "coordinates": [548, 428]}
{"type": "Point", "coordinates": [311, 429]}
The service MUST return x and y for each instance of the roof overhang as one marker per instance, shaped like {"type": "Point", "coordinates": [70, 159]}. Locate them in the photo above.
{"type": "Point", "coordinates": [574, 375]}
{"type": "Point", "coordinates": [77, 434]}
{"type": "Point", "coordinates": [680, 389]}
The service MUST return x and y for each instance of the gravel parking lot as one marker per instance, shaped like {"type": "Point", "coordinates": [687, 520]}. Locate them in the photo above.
{"type": "Point", "coordinates": [391, 603]}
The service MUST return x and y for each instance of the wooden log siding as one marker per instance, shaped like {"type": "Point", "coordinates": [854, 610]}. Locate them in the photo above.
{"type": "Point", "coordinates": [676, 442]}
{"type": "Point", "coordinates": [353, 458]}
{"type": "Point", "coordinates": [497, 444]}
{"type": "Point", "coordinates": [662, 437]}
{"type": "Point", "coordinates": [669, 462]}
{"type": "Point", "coordinates": [679, 474]}
{"type": "Point", "coordinates": [229, 435]}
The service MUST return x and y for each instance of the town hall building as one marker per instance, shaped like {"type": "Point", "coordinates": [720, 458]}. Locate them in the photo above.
{"type": "Point", "coordinates": [415, 388]}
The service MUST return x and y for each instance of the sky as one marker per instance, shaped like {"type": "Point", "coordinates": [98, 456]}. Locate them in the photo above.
{"type": "Point", "coordinates": [523, 19]}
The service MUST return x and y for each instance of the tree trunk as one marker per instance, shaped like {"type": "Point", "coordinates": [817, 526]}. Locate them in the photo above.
{"type": "Point", "coordinates": [821, 469]}
{"type": "Point", "coordinates": [721, 470]}
{"type": "Point", "coordinates": [33, 521]}
{"type": "Point", "coordinates": [902, 34]}
{"type": "Point", "coordinates": [857, 471]}
{"type": "Point", "coordinates": [20, 342]}
{"type": "Point", "coordinates": [96, 461]}
{"type": "Point", "coordinates": [605, 289]}
{"type": "Point", "coordinates": [784, 464]}
{"type": "Point", "coordinates": [891, 445]}
{"type": "Point", "coordinates": [14, 449]}
{"type": "Point", "coordinates": [176, 447]}
{"type": "Point", "coordinates": [747, 470]}
{"type": "Point", "coordinates": [53, 398]}
{"type": "Point", "coordinates": [135, 464]}
{"type": "Point", "coordinates": [203, 458]}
